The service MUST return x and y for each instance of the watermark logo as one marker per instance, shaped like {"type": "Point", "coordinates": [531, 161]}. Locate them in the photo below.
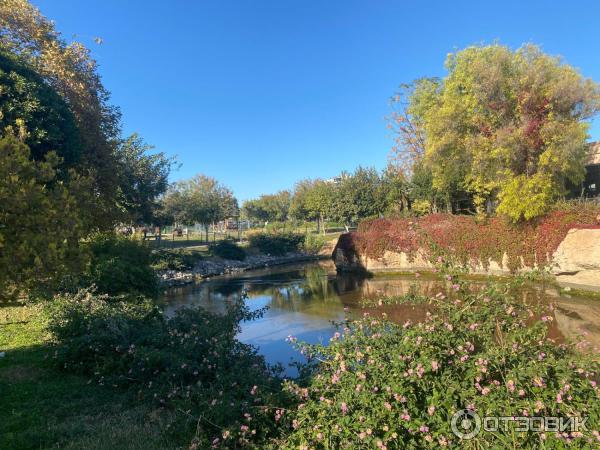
{"type": "Point", "coordinates": [467, 424]}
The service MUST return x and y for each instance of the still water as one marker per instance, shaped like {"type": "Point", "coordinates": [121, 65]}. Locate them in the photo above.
{"type": "Point", "coordinates": [305, 301]}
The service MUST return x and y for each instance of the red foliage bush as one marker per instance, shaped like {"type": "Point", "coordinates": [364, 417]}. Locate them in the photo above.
{"type": "Point", "coordinates": [464, 240]}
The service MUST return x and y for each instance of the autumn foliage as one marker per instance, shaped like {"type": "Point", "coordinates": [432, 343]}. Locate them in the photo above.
{"type": "Point", "coordinates": [465, 240]}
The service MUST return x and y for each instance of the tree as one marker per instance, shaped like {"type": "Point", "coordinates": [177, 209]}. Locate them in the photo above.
{"type": "Point", "coordinates": [411, 104]}
{"type": "Point", "coordinates": [200, 199]}
{"type": "Point", "coordinates": [395, 191]}
{"type": "Point", "coordinates": [406, 121]}
{"type": "Point", "coordinates": [70, 71]}
{"type": "Point", "coordinates": [312, 200]}
{"type": "Point", "coordinates": [358, 196]}
{"type": "Point", "coordinates": [268, 208]}
{"type": "Point", "coordinates": [41, 220]}
{"type": "Point", "coordinates": [507, 126]}
{"type": "Point", "coordinates": [143, 178]}
{"type": "Point", "coordinates": [34, 112]}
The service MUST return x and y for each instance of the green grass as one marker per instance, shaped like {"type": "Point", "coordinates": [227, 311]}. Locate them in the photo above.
{"type": "Point", "coordinates": [45, 408]}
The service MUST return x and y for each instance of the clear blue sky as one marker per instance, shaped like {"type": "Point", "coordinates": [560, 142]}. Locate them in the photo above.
{"type": "Point", "coordinates": [260, 94]}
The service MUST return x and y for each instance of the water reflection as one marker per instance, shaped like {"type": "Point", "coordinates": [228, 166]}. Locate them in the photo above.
{"type": "Point", "coordinates": [304, 301]}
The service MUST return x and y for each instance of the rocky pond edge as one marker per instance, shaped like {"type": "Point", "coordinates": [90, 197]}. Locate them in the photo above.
{"type": "Point", "coordinates": [211, 267]}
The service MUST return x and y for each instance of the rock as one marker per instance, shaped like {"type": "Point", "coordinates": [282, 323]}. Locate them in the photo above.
{"type": "Point", "coordinates": [577, 258]}
{"type": "Point", "coordinates": [2, 354]}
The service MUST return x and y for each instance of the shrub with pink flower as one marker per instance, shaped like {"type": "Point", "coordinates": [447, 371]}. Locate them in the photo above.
{"type": "Point", "coordinates": [483, 356]}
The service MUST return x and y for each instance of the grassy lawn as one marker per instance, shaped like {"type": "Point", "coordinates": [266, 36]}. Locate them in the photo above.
{"type": "Point", "coordinates": [44, 408]}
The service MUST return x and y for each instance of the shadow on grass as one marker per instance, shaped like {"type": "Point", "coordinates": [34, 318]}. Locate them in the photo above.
{"type": "Point", "coordinates": [45, 408]}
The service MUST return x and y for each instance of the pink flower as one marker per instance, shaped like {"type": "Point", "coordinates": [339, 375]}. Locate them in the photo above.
{"type": "Point", "coordinates": [434, 365]}
{"type": "Point", "coordinates": [559, 398]}
{"type": "Point", "coordinates": [423, 429]}
{"type": "Point", "coordinates": [485, 391]}
{"type": "Point", "coordinates": [344, 408]}
{"type": "Point", "coordinates": [431, 410]}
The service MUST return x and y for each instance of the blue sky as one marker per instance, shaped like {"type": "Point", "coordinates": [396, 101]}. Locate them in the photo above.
{"type": "Point", "coordinates": [260, 94]}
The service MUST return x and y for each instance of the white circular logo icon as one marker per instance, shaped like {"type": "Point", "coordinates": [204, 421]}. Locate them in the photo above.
{"type": "Point", "coordinates": [466, 424]}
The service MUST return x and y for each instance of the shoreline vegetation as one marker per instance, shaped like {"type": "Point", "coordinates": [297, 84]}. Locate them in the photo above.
{"type": "Point", "coordinates": [178, 267]}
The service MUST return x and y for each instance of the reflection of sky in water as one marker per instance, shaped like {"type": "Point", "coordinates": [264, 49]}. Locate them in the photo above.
{"type": "Point", "coordinates": [304, 300]}
{"type": "Point", "coordinates": [269, 332]}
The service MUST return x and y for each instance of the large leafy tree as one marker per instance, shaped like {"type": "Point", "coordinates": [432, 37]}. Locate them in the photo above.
{"type": "Point", "coordinates": [31, 110]}
{"type": "Point", "coordinates": [40, 220]}
{"type": "Point", "coordinates": [508, 126]}
{"type": "Point", "coordinates": [357, 196]}
{"type": "Point", "coordinates": [410, 105]}
{"type": "Point", "coordinates": [200, 199]}
{"type": "Point", "coordinates": [70, 71]}
{"type": "Point", "coordinates": [312, 200]}
{"type": "Point", "coordinates": [269, 207]}
{"type": "Point", "coordinates": [143, 178]}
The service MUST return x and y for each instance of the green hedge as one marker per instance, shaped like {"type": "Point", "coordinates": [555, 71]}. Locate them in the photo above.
{"type": "Point", "coordinates": [276, 243]}
{"type": "Point", "coordinates": [228, 249]}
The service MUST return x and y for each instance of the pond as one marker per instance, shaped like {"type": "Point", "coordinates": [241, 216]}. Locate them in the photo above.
{"type": "Point", "coordinates": [305, 301]}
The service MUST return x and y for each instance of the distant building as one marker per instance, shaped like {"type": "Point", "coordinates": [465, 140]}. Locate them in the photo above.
{"type": "Point", "coordinates": [334, 180]}
{"type": "Point", "coordinates": [591, 185]}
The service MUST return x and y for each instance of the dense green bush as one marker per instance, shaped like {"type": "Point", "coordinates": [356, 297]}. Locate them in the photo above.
{"type": "Point", "coordinates": [120, 266]}
{"type": "Point", "coordinates": [174, 259]}
{"type": "Point", "coordinates": [276, 243]}
{"type": "Point", "coordinates": [191, 363]}
{"type": "Point", "coordinates": [228, 249]}
{"type": "Point", "coordinates": [313, 243]}
{"type": "Point", "coordinates": [380, 384]}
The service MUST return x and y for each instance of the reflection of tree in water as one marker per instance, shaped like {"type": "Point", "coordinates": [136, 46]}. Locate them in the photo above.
{"type": "Point", "coordinates": [308, 286]}
{"type": "Point", "coordinates": [228, 288]}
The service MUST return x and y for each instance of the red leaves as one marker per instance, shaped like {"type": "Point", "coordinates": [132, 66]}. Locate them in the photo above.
{"type": "Point", "coordinates": [465, 241]}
